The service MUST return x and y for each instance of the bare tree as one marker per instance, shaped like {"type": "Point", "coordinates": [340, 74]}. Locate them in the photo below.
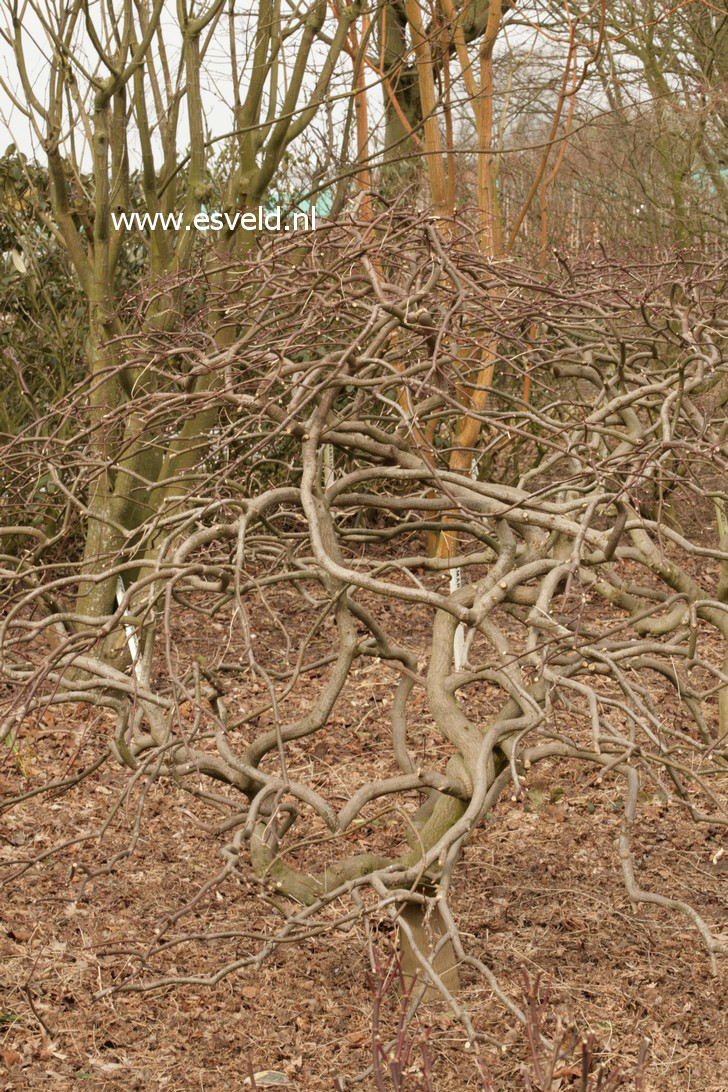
{"type": "Point", "coordinates": [126, 80]}
{"type": "Point", "coordinates": [263, 433]}
{"type": "Point", "coordinates": [557, 516]}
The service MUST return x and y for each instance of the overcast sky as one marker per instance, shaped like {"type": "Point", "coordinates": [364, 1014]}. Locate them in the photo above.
{"type": "Point", "coordinates": [216, 77]}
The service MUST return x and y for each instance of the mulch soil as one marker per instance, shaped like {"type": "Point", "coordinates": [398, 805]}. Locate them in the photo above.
{"type": "Point", "coordinates": [539, 893]}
